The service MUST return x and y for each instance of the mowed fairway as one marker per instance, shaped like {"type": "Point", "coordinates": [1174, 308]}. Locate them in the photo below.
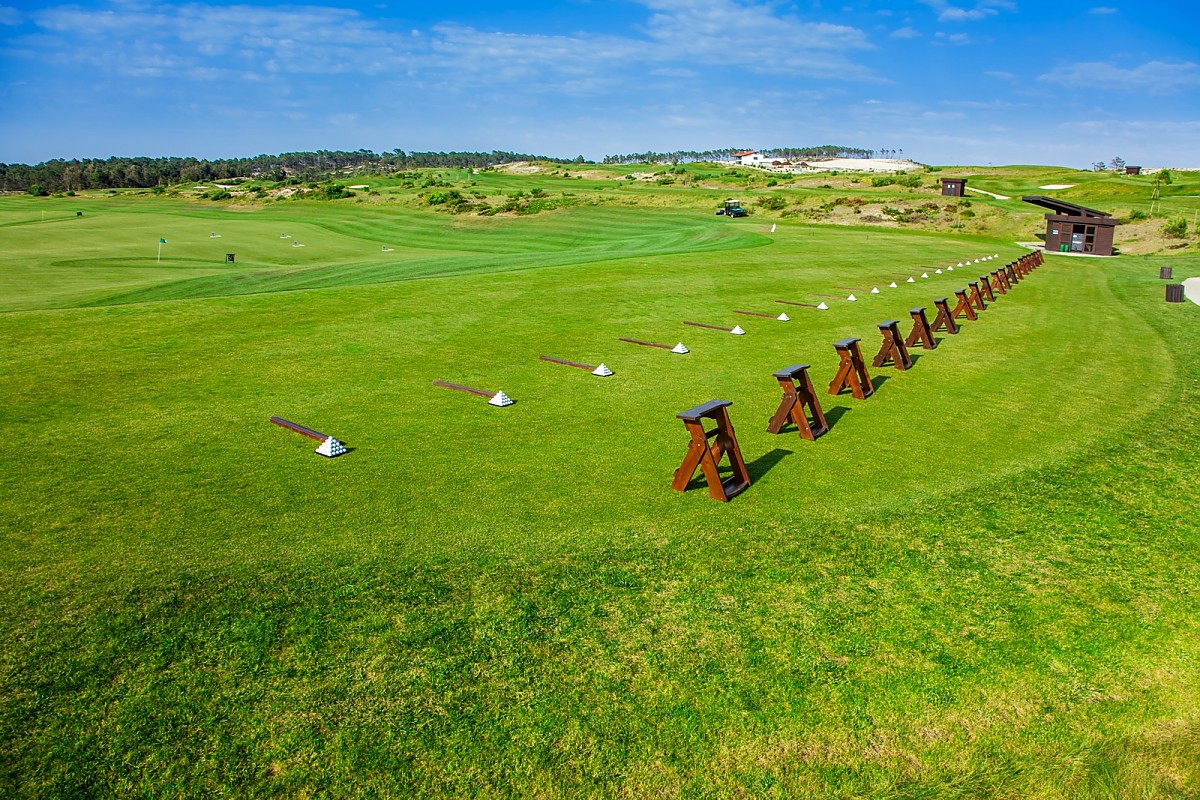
{"type": "Point", "coordinates": [980, 582]}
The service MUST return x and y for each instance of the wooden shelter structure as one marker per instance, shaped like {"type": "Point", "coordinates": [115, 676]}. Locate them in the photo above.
{"type": "Point", "coordinates": [954, 187]}
{"type": "Point", "coordinates": [1072, 228]}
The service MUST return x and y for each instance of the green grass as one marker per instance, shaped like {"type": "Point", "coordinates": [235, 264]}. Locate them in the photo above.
{"type": "Point", "coordinates": [980, 582]}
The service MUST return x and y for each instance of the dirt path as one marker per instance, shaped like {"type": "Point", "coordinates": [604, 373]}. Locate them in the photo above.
{"type": "Point", "coordinates": [989, 194]}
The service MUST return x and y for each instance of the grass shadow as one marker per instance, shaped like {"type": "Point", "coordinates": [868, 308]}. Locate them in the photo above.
{"type": "Point", "coordinates": [764, 463]}
{"type": "Point", "coordinates": [879, 380]}
{"type": "Point", "coordinates": [756, 469]}
{"type": "Point", "coordinates": [832, 415]}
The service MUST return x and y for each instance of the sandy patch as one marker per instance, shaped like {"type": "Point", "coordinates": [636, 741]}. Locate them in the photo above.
{"type": "Point", "coordinates": [521, 168]}
{"type": "Point", "coordinates": [1058, 186]}
{"type": "Point", "coordinates": [859, 165]}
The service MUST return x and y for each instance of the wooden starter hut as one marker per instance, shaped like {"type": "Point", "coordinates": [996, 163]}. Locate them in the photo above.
{"type": "Point", "coordinates": [1075, 229]}
{"type": "Point", "coordinates": [954, 187]}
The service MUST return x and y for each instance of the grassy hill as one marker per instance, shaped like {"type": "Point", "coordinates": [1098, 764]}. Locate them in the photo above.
{"type": "Point", "coordinates": [980, 582]}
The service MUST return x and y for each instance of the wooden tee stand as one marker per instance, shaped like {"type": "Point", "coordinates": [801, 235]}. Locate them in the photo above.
{"type": "Point", "coordinates": [986, 285]}
{"type": "Point", "coordinates": [893, 348]}
{"type": "Point", "coordinates": [976, 297]}
{"type": "Point", "coordinates": [701, 454]}
{"type": "Point", "coordinates": [798, 393]}
{"type": "Point", "coordinates": [852, 372]}
{"type": "Point", "coordinates": [964, 307]}
{"type": "Point", "coordinates": [944, 318]}
{"type": "Point", "coordinates": [920, 330]}
{"type": "Point", "coordinates": [999, 283]}
{"type": "Point", "coordinates": [1010, 272]}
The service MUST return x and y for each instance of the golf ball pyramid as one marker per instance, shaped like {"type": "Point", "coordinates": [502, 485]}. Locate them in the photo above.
{"type": "Point", "coordinates": [331, 448]}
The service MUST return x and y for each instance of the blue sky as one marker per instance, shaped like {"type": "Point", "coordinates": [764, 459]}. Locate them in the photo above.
{"type": "Point", "coordinates": [946, 81]}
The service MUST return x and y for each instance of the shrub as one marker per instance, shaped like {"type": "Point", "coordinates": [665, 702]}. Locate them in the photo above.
{"type": "Point", "coordinates": [772, 202]}
{"type": "Point", "coordinates": [453, 197]}
{"type": "Point", "coordinates": [1137, 214]}
{"type": "Point", "coordinates": [882, 180]}
{"type": "Point", "coordinates": [332, 191]}
{"type": "Point", "coordinates": [1176, 228]}
{"type": "Point", "coordinates": [37, 191]}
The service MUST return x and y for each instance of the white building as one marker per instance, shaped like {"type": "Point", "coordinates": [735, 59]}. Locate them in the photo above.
{"type": "Point", "coordinates": [751, 158]}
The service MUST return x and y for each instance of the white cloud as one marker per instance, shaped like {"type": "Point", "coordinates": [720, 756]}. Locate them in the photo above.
{"type": "Point", "coordinates": [982, 10]}
{"type": "Point", "coordinates": [308, 39]}
{"type": "Point", "coordinates": [956, 39]}
{"type": "Point", "coordinates": [1104, 10]}
{"type": "Point", "coordinates": [1149, 142]}
{"type": "Point", "coordinates": [1154, 77]}
{"type": "Point", "coordinates": [9, 16]}
{"type": "Point", "coordinates": [905, 33]}
{"type": "Point", "coordinates": [128, 38]}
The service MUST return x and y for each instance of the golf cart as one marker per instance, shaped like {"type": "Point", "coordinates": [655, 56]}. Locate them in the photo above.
{"type": "Point", "coordinates": [732, 208]}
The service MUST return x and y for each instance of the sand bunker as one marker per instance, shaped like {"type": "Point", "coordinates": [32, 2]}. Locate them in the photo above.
{"type": "Point", "coordinates": [1058, 186]}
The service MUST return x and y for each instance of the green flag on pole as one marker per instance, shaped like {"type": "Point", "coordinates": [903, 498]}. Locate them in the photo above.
{"type": "Point", "coordinates": [162, 241]}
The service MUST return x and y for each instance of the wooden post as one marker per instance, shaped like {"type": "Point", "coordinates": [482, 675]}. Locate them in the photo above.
{"type": "Point", "coordinates": [893, 348]}
{"type": "Point", "coordinates": [300, 429]}
{"type": "Point", "coordinates": [798, 393]}
{"type": "Point", "coordinates": [920, 330]}
{"type": "Point", "coordinates": [976, 297]}
{"type": "Point", "coordinates": [1164, 273]}
{"type": "Point", "coordinates": [1013, 278]}
{"type": "Point", "coordinates": [964, 307]}
{"type": "Point", "coordinates": [944, 318]}
{"type": "Point", "coordinates": [700, 454]}
{"type": "Point", "coordinates": [852, 372]}
{"type": "Point", "coordinates": [986, 285]}
{"type": "Point", "coordinates": [1174, 292]}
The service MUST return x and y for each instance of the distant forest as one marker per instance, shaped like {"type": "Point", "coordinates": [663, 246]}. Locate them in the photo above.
{"type": "Point", "coordinates": [791, 153]}
{"type": "Point", "coordinates": [142, 172]}
{"type": "Point", "coordinates": [118, 172]}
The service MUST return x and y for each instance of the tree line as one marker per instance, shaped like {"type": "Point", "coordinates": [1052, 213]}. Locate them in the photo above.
{"type": "Point", "coordinates": [118, 172]}
{"type": "Point", "coordinates": [724, 154]}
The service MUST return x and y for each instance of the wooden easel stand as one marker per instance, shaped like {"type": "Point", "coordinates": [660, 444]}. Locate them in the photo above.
{"type": "Point", "coordinates": [852, 372]}
{"type": "Point", "coordinates": [701, 454]}
{"type": "Point", "coordinates": [920, 330]}
{"type": "Point", "coordinates": [893, 348]}
{"type": "Point", "coordinates": [798, 394]}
